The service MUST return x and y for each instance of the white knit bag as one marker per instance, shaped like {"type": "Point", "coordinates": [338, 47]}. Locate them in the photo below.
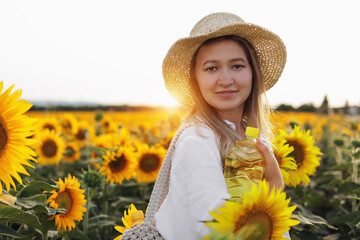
{"type": "Point", "coordinates": [146, 230]}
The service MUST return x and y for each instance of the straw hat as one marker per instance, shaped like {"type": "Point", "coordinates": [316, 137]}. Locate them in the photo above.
{"type": "Point", "coordinates": [270, 49]}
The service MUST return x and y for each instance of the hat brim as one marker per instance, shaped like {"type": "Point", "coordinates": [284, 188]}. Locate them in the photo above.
{"type": "Point", "coordinates": [270, 50]}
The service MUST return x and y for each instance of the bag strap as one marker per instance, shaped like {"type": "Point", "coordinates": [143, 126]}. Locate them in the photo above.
{"type": "Point", "coordinates": [161, 186]}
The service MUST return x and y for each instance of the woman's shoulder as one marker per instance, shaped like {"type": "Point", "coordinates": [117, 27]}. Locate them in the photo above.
{"type": "Point", "coordinates": [199, 131]}
{"type": "Point", "coordinates": [197, 134]}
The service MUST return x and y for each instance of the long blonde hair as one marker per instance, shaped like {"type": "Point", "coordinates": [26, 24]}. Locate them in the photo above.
{"type": "Point", "coordinates": [256, 111]}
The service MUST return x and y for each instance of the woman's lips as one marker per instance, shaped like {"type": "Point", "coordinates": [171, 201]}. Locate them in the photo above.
{"type": "Point", "coordinates": [226, 93]}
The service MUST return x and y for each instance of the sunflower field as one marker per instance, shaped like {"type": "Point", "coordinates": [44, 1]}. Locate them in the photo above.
{"type": "Point", "coordinates": [80, 175]}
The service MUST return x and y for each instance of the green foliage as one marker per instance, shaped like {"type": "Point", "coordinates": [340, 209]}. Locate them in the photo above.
{"type": "Point", "coordinates": [329, 207]}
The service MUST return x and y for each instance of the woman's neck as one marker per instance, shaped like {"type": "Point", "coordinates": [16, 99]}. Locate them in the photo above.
{"type": "Point", "coordinates": [237, 119]}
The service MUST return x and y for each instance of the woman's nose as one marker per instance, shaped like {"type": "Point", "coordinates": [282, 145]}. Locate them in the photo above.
{"type": "Point", "coordinates": [225, 78]}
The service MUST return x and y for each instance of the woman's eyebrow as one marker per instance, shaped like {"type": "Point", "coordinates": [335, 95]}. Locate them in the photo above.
{"type": "Point", "coordinates": [231, 60]}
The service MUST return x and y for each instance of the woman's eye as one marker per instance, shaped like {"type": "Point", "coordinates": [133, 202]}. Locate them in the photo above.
{"type": "Point", "coordinates": [238, 66]}
{"type": "Point", "coordinates": [211, 69]}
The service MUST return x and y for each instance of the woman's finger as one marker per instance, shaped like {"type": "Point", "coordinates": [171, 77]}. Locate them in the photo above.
{"type": "Point", "coordinates": [263, 149]}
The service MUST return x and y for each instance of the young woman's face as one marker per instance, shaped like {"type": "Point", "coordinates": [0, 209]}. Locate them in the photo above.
{"type": "Point", "coordinates": [224, 76]}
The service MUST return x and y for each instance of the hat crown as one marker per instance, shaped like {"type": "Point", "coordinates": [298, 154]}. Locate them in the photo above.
{"type": "Point", "coordinates": [214, 21]}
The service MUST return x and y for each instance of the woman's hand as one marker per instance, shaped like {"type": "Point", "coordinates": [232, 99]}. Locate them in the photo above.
{"type": "Point", "coordinates": [272, 169]}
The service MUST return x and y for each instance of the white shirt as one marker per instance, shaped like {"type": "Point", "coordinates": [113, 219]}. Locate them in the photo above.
{"type": "Point", "coordinates": [197, 186]}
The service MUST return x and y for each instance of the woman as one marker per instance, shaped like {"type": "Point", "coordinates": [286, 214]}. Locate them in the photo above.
{"type": "Point", "coordinates": [222, 71]}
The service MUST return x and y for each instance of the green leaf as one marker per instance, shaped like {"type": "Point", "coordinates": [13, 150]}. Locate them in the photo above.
{"type": "Point", "coordinates": [99, 151]}
{"type": "Point", "coordinates": [348, 187]}
{"type": "Point", "coordinates": [6, 231]}
{"type": "Point", "coordinates": [315, 199]}
{"type": "Point", "coordinates": [343, 166]}
{"type": "Point", "coordinates": [102, 223]}
{"type": "Point", "coordinates": [76, 234]}
{"type": "Point", "coordinates": [357, 155]}
{"type": "Point", "coordinates": [353, 217]}
{"type": "Point", "coordinates": [34, 186]}
{"type": "Point", "coordinates": [14, 215]}
{"type": "Point", "coordinates": [307, 217]}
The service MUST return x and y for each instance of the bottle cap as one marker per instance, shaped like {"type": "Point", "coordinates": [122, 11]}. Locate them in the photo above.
{"type": "Point", "coordinates": [137, 215]}
{"type": "Point", "coordinates": [252, 132]}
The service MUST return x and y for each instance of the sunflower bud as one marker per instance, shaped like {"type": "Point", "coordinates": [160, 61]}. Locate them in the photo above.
{"type": "Point", "coordinates": [92, 178]}
{"type": "Point", "coordinates": [339, 142]}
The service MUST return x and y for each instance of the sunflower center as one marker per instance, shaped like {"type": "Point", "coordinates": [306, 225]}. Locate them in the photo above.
{"type": "Point", "coordinates": [49, 148]}
{"type": "Point", "coordinates": [67, 125]}
{"type": "Point", "coordinates": [299, 153]}
{"type": "Point", "coordinates": [48, 126]}
{"type": "Point", "coordinates": [3, 136]}
{"type": "Point", "coordinates": [149, 162]}
{"type": "Point", "coordinates": [64, 200]}
{"type": "Point", "coordinates": [69, 151]}
{"type": "Point", "coordinates": [106, 124]}
{"type": "Point", "coordinates": [261, 220]}
{"type": "Point", "coordinates": [80, 135]}
{"type": "Point", "coordinates": [118, 164]}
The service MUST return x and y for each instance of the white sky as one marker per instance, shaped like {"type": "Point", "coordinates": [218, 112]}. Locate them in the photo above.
{"type": "Point", "coordinates": [111, 52]}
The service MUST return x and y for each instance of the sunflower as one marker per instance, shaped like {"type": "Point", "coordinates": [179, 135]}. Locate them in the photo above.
{"type": "Point", "coordinates": [15, 132]}
{"type": "Point", "coordinates": [305, 155]}
{"type": "Point", "coordinates": [102, 141]}
{"type": "Point", "coordinates": [124, 138]}
{"type": "Point", "coordinates": [127, 221]}
{"type": "Point", "coordinates": [268, 213]}
{"type": "Point", "coordinates": [71, 198]}
{"type": "Point", "coordinates": [84, 133]}
{"type": "Point", "coordinates": [165, 143]}
{"type": "Point", "coordinates": [70, 124]}
{"type": "Point", "coordinates": [50, 123]}
{"type": "Point", "coordinates": [72, 152]}
{"type": "Point", "coordinates": [149, 162]}
{"type": "Point", "coordinates": [119, 165]}
{"type": "Point", "coordinates": [285, 161]}
{"type": "Point", "coordinates": [108, 125]}
{"type": "Point", "coordinates": [50, 147]}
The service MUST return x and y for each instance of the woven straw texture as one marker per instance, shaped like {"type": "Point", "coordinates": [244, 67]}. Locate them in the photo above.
{"type": "Point", "coordinates": [270, 49]}
{"type": "Point", "coordinates": [146, 230]}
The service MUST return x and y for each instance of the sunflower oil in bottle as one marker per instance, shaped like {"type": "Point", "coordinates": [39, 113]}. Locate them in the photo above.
{"type": "Point", "coordinates": [244, 166]}
{"type": "Point", "coordinates": [137, 217]}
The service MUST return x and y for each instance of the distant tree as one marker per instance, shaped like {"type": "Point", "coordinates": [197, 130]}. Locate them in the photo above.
{"type": "Point", "coordinates": [285, 108]}
{"type": "Point", "coordinates": [307, 108]}
{"type": "Point", "coordinates": [324, 108]}
{"type": "Point", "coordinates": [346, 107]}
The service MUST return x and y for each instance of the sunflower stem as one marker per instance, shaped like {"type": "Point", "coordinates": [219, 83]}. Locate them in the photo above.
{"type": "Point", "coordinates": [339, 159]}
{"type": "Point", "coordinates": [106, 204]}
{"type": "Point", "coordinates": [86, 218]}
{"type": "Point", "coordinates": [354, 177]}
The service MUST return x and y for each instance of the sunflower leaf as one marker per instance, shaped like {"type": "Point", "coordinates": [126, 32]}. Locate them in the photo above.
{"type": "Point", "coordinates": [99, 151]}
{"type": "Point", "coordinates": [352, 217]}
{"type": "Point", "coordinates": [307, 217]}
{"type": "Point", "coordinates": [14, 215]}
{"type": "Point", "coordinates": [343, 166]}
{"type": "Point", "coordinates": [36, 185]}
{"type": "Point", "coordinates": [76, 234]}
{"type": "Point", "coordinates": [102, 223]}
{"type": "Point", "coordinates": [6, 231]}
